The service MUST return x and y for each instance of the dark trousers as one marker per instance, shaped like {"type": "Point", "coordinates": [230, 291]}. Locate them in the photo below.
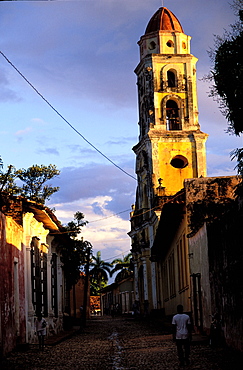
{"type": "Point", "coordinates": [41, 339]}
{"type": "Point", "coordinates": [183, 349]}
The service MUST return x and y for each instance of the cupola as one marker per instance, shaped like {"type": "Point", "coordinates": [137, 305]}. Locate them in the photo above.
{"type": "Point", "coordinates": [163, 20]}
{"type": "Point", "coordinates": [164, 35]}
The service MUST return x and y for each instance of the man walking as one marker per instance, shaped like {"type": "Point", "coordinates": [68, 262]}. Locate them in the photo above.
{"type": "Point", "coordinates": [182, 335]}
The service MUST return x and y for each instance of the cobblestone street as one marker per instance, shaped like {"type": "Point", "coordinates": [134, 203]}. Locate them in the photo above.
{"type": "Point", "coordinates": [120, 344]}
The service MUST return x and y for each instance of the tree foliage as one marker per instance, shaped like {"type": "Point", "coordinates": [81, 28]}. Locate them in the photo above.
{"type": "Point", "coordinates": [7, 180]}
{"type": "Point", "coordinates": [74, 227]}
{"type": "Point", "coordinates": [227, 72]}
{"type": "Point", "coordinates": [74, 258]}
{"type": "Point", "coordinates": [100, 271]}
{"type": "Point", "coordinates": [228, 81]}
{"type": "Point", "coordinates": [34, 179]}
{"type": "Point", "coordinates": [95, 287]}
{"type": "Point", "coordinates": [124, 266]}
{"type": "Point", "coordinates": [227, 76]}
{"type": "Point", "coordinates": [74, 250]}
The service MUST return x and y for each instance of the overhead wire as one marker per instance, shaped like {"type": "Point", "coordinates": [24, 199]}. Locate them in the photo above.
{"type": "Point", "coordinates": [121, 254]}
{"type": "Point", "coordinates": [113, 215]}
{"type": "Point", "coordinates": [70, 125]}
{"type": "Point", "coordinates": [65, 120]}
{"type": "Point", "coordinates": [79, 133]}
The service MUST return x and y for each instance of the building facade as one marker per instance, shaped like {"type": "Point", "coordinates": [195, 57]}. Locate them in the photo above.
{"type": "Point", "coordinates": [30, 270]}
{"type": "Point", "coordinates": [118, 298]}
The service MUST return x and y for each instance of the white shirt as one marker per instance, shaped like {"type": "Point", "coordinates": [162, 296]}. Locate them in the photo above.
{"type": "Point", "coordinates": [40, 330]}
{"type": "Point", "coordinates": [181, 320]}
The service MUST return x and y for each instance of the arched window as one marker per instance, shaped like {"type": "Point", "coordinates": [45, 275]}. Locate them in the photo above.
{"type": "Point", "coordinates": [171, 79]}
{"type": "Point", "coordinates": [172, 116]}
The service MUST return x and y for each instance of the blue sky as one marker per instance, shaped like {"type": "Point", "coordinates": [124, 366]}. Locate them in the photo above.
{"type": "Point", "coordinates": [80, 55]}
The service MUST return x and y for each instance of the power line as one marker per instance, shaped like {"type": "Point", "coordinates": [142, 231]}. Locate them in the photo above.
{"type": "Point", "coordinates": [79, 133]}
{"type": "Point", "coordinates": [121, 254]}
{"type": "Point", "coordinates": [115, 214]}
{"type": "Point", "coordinates": [65, 120]}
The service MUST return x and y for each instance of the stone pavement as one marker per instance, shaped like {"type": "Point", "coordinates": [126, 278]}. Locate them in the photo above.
{"type": "Point", "coordinates": [119, 344]}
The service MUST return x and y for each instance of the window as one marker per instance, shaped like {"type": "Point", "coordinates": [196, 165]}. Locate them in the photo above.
{"type": "Point", "coordinates": [35, 274]}
{"type": "Point", "coordinates": [182, 263]}
{"type": "Point", "coordinates": [171, 265]}
{"type": "Point", "coordinates": [165, 287]}
{"type": "Point", "coordinates": [54, 284]}
{"type": "Point", "coordinates": [171, 79]}
{"type": "Point", "coordinates": [141, 281]}
{"type": "Point", "coordinates": [38, 277]}
{"type": "Point", "coordinates": [16, 295]}
{"type": "Point", "coordinates": [172, 116]}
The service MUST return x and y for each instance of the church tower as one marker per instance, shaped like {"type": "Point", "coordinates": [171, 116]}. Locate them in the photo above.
{"type": "Point", "coordinates": [171, 146]}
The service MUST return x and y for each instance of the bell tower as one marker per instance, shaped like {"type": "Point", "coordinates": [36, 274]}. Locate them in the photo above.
{"type": "Point", "coordinates": [171, 146]}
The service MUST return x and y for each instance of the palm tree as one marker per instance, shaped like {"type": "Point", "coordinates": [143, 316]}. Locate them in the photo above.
{"type": "Point", "coordinates": [124, 265]}
{"type": "Point", "coordinates": [100, 270]}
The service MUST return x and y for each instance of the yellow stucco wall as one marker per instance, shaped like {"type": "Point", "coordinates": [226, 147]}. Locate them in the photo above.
{"type": "Point", "coordinates": [173, 177]}
{"type": "Point", "coordinates": [13, 233]}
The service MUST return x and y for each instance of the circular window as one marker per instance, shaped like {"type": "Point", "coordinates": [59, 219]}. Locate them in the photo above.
{"type": "Point", "coordinates": [179, 161]}
{"type": "Point", "coordinates": [170, 43]}
{"type": "Point", "coordinates": [184, 45]}
{"type": "Point", "coordinates": [152, 45]}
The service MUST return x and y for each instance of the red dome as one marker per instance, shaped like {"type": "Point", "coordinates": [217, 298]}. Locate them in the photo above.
{"type": "Point", "coordinates": [163, 20]}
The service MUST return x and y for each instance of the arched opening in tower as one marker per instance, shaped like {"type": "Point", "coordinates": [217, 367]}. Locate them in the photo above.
{"type": "Point", "coordinates": [172, 116]}
{"type": "Point", "coordinates": [171, 79]}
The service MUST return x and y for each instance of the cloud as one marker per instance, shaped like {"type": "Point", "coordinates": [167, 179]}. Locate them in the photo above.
{"type": "Point", "coordinates": [24, 131]}
{"type": "Point", "coordinates": [104, 195]}
{"type": "Point", "coordinates": [6, 93]}
{"type": "Point", "coordinates": [106, 232]}
{"type": "Point", "coordinates": [90, 181]}
{"type": "Point", "coordinates": [79, 149]}
{"type": "Point", "coordinates": [86, 70]}
{"type": "Point", "coordinates": [21, 134]}
{"type": "Point", "coordinates": [87, 52]}
{"type": "Point", "coordinates": [121, 141]}
{"type": "Point", "coordinates": [48, 151]}
{"type": "Point", "coordinates": [87, 49]}
{"type": "Point", "coordinates": [220, 165]}
{"type": "Point", "coordinates": [39, 121]}
{"type": "Point", "coordinates": [97, 208]}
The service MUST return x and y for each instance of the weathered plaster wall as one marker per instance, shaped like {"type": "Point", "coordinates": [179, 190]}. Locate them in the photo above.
{"type": "Point", "coordinates": [211, 202]}
{"type": "Point", "coordinates": [34, 228]}
{"type": "Point", "coordinates": [12, 293]}
{"type": "Point", "coordinates": [198, 257]}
